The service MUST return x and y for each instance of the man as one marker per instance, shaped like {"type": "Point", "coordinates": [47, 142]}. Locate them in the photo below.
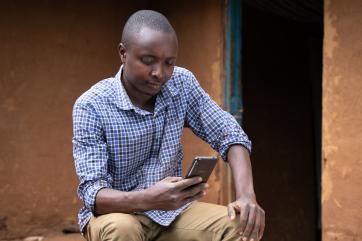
{"type": "Point", "coordinates": [128, 155]}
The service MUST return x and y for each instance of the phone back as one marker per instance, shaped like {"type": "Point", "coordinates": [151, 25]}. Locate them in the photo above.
{"type": "Point", "coordinates": [202, 166]}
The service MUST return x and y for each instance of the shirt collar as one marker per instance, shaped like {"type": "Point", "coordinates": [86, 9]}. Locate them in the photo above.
{"type": "Point", "coordinates": [122, 98]}
{"type": "Point", "coordinates": [168, 91]}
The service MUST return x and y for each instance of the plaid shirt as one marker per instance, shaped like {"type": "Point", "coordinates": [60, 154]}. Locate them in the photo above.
{"type": "Point", "coordinates": [118, 145]}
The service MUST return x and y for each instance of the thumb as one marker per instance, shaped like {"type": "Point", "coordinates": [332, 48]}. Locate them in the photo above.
{"type": "Point", "coordinates": [231, 212]}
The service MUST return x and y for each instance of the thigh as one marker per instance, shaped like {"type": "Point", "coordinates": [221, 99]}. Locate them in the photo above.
{"type": "Point", "coordinates": [203, 222]}
{"type": "Point", "coordinates": [118, 227]}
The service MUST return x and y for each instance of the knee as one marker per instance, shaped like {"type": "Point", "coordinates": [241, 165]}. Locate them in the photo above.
{"type": "Point", "coordinates": [122, 227]}
{"type": "Point", "coordinates": [231, 227]}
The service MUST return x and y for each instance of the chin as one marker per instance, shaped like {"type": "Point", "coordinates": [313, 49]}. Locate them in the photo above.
{"type": "Point", "coordinates": [152, 91]}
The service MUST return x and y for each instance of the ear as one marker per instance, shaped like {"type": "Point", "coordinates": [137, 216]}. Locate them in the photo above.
{"type": "Point", "coordinates": [122, 52]}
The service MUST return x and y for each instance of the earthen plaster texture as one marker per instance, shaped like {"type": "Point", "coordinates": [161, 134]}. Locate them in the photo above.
{"type": "Point", "coordinates": [52, 52]}
{"type": "Point", "coordinates": [342, 121]}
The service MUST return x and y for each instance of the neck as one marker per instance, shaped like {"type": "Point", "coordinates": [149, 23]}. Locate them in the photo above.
{"type": "Point", "coordinates": [141, 100]}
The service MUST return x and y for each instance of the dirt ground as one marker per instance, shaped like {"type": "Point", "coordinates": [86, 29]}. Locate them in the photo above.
{"type": "Point", "coordinates": [53, 237]}
{"type": "Point", "coordinates": [65, 237]}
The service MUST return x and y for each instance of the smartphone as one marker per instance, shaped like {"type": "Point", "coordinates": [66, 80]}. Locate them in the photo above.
{"type": "Point", "coordinates": [202, 166]}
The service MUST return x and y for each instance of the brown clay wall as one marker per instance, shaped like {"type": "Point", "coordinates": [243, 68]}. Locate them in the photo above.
{"type": "Point", "coordinates": [52, 51]}
{"type": "Point", "coordinates": [342, 125]}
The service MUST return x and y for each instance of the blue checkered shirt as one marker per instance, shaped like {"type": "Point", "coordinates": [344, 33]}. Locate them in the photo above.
{"type": "Point", "coordinates": [118, 145]}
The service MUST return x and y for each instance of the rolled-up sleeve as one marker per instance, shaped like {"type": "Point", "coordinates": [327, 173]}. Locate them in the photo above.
{"type": "Point", "coordinates": [212, 124]}
{"type": "Point", "coordinates": [90, 154]}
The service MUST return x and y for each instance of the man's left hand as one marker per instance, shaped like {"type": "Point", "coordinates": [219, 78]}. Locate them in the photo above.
{"type": "Point", "coordinates": [252, 218]}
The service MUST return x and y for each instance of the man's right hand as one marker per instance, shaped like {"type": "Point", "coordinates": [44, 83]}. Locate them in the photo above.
{"type": "Point", "coordinates": [174, 192]}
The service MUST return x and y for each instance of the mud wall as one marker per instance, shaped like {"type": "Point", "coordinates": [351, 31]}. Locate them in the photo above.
{"type": "Point", "coordinates": [342, 126]}
{"type": "Point", "coordinates": [52, 51]}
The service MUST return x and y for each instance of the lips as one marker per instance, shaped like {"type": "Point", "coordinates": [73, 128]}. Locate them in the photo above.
{"type": "Point", "coordinates": [154, 85]}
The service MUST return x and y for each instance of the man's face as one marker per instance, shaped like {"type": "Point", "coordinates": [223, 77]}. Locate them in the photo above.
{"type": "Point", "coordinates": [149, 60]}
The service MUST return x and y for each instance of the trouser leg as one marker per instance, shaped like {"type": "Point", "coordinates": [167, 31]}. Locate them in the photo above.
{"type": "Point", "coordinates": [202, 222]}
{"type": "Point", "coordinates": [120, 227]}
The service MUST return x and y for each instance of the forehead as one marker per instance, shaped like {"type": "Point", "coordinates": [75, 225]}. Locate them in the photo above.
{"type": "Point", "coordinates": [154, 41]}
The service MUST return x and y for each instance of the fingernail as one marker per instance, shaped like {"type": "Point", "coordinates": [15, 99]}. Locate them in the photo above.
{"type": "Point", "coordinates": [206, 185]}
{"type": "Point", "coordinates": [204, 193]}
{"type": "Point", "coordinates": [244, 238]}
{"type": "Point", "coordinates": [252, 239]}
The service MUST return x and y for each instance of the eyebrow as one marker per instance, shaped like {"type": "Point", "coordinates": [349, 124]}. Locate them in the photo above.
{"type": "Point", "coordinates": [156, 57]}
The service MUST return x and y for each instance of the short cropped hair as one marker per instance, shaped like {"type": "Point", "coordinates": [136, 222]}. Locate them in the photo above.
{"type": "Point", "coordinates": [145, 18]}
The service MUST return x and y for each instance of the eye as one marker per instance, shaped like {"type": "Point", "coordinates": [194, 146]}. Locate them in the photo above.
{"type": "Point", "coordinates": [147, 59]}
{"type": "Point", "coordinates": [170, 62]}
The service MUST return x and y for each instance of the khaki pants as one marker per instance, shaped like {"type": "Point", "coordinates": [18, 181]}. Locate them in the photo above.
{"type": "Point", "coordinates": [200, 222]}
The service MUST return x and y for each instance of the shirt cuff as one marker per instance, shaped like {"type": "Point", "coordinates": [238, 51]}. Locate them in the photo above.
{"type": "Point", "coordinates": [224, 148]}
{"type": "Point", "coordinates": [91, 193]}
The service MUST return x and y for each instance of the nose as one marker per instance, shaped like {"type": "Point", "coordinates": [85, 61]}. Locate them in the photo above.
{"type": "Point", "coordinates": [158, 72]}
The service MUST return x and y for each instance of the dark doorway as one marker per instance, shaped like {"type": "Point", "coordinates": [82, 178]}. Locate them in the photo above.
{"type": "Point", "coordinates": [281, 78]}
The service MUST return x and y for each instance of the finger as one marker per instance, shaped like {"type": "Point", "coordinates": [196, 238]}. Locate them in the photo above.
{"type": "Point", "coordinates": [197, 188]}
{"type": "Point", "coordinates": [173, 179]}
{"type": "Point", "coordinates": [193, 190]}
{"type": "Point", "coordinates": [244, 213]}
{"type": "Point", "coordinates": [231, 211]}
{"type": "Point", "coordinates": [250, 223]}
{"type": "Point", "coordinates": [254, 236]}
{"type": "Point", "coordinates": [262, 224]}
{"type": "Point", "coordinates": [193, 198]}
{"type": "Point", "coordinates": [184, 183]}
